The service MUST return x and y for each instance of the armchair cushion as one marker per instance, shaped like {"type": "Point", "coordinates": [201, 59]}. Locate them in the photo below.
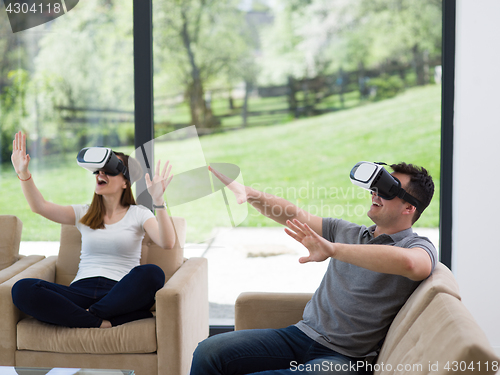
{"type": "Point", "coordinates": [10, 234]}
{"type": "Point", "coordinates": [135, 337]}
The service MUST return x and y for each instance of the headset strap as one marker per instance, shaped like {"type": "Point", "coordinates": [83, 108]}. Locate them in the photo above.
{"type": "Point", "coordinates": [410, 199]}
{"type": "Point", "coordinates": [123, 169]}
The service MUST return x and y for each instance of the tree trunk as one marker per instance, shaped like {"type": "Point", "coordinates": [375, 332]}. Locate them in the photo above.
{"type": "Point", "coordinates": [419, 65]}
{"type": "Point", "coordinates": [362, 81]}
{"type": "Point", "coordinates": [244, 110]}
{"type": "Point", "coordinates": [341, 84]}
{"type": "Point", "coordinates": [201, 116]}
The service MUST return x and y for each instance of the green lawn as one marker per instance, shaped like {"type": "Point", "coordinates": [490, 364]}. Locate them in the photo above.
{"type": "Point", "coordinates": [306, 161]}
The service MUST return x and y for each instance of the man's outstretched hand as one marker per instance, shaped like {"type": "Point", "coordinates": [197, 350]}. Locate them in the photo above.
{"type": "Point", "coordinates": [239, 190]}
{"type": "Point", "coordinates": [319, 248]}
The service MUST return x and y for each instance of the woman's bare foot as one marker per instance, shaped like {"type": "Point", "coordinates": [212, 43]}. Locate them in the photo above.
{"type": "Point", "coordinates": [105, 324]}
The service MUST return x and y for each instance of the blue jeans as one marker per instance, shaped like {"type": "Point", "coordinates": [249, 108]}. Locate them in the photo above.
{"type": "Point", "coordinates": [119, 302]}
{"type": "Point", "coordinates": [283, 351]}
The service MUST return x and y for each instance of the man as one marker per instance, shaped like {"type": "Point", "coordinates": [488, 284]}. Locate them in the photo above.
{"type": "Point", "coordinates": [371, 274]}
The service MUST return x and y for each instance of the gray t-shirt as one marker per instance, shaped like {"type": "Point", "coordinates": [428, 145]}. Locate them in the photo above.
{"type": "Point", "coordinates": [353, 307]}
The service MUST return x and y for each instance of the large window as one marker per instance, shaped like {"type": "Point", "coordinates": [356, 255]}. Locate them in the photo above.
{"type": "Point", "coordinates": [292, 93]}
{"type": "Point", "coordinates": [295, 93]}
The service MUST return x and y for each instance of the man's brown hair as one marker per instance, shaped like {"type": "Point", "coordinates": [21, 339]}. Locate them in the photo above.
{"type": "Point", "coordinates": [420, 186]}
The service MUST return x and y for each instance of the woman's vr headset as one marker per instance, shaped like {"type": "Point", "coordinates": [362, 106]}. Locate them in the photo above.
{"type": "Point", "coordinates": [374, 177]}
{"type": "Point", "coordinates": [97, 159]}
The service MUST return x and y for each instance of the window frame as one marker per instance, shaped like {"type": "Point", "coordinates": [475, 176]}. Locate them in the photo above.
{"type": "Point", "coordinates": [447, 120]}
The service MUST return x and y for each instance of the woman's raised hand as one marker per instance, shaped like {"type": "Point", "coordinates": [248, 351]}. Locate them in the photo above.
{"type": "Point", "coordinates": [20, 160]}
{"type": "Point", "coordinates": [158, 185]}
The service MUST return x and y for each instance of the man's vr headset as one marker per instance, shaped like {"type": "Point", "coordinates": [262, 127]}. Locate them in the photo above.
{"type": "Point", "coordinates": [374, 177]}
{"type": "Point", "coordinates": [97, 159]}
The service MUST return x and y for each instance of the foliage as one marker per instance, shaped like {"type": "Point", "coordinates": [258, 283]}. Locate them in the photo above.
{"type": "Point", "coordinates": [322, 36]}
{"type": "Point", "coordinates": [82, 60]}
{"type": "Point", "coordinates": [13, 109]}
{"type": "Point", "coordinates": [86, 61]}
{"type": "Point", "coordinates": [406, 32]}
{"type": "Point", "coordinates": [13, 79]}
{"type": "Point", "coordinates": [94, 45]}
{"type": "Point", "coordinates": [385, 87]}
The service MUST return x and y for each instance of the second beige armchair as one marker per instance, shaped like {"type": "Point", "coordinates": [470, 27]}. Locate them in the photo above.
{"type": "Point", "coordinates": [11, 263]}
{"type": "Point", "coordinates": [432, 333]}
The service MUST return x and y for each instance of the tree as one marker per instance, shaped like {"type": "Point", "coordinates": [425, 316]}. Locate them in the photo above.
{"type": "Point", "coordinates": [313, 37]}
{"type": "Point", "coordinates": [85, 62]}
{"type": "Point", "coordinates": [407, 31]}
{"type": "Point", "coordinates": [198, 42]}
{"type": "Point", "coordinates": [305, 38]}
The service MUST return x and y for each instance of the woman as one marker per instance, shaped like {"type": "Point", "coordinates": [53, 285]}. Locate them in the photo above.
{"type": "Point", "coordinates": [110, 288]}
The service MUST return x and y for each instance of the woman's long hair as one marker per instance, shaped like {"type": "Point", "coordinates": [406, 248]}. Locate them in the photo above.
{"type": "Point", "coordinates": [94, 218]}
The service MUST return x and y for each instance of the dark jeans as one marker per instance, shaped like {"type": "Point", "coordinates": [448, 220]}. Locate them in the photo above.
{"type": "Point", "coordinates": [119, 302]}
{"type": "Point", "coordinates": [268, 351]}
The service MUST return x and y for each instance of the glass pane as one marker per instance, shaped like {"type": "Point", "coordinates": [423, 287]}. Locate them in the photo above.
{"type": "Point", "coordinates": [67, 84]}
{"type": "Point", "coordinates": [295, 93]}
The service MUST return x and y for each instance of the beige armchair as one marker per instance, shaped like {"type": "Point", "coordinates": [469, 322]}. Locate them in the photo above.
{"type": "Point", "coordinates": [160, 345]}
{"type": "Point", "coordinates": [11, 263]}
{"type": "Point", "coordinates": [432, 329]}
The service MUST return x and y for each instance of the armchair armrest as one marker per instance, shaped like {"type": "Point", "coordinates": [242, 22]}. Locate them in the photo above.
{"type": "Point", "coordinates": [182, 316]}
{"type": "Point", "coordinates": [19, 266]}
{"type": "Point", "coordinates": [10, 315]}
{"type": "Point", "coordinates": [269, 310]}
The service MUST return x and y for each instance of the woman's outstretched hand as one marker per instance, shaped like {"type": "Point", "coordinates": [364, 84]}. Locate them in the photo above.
{"type": "Point", "coordinates": [239, 190]}
{"type": "Point", "coordinates": [158, 185]}
{"type": "Point", "coordinates": [319, 248]}
{"type": "Point", "coordinates": [20, 160]}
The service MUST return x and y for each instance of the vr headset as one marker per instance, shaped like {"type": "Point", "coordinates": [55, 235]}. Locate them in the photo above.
{"type": "Point", "coordinates": [97, 159]}
{"type": "Point", "coordinates": [374, 177]}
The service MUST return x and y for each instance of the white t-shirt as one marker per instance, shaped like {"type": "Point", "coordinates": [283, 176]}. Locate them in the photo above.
{"type": "Point", "coordinates": [111, 252]}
